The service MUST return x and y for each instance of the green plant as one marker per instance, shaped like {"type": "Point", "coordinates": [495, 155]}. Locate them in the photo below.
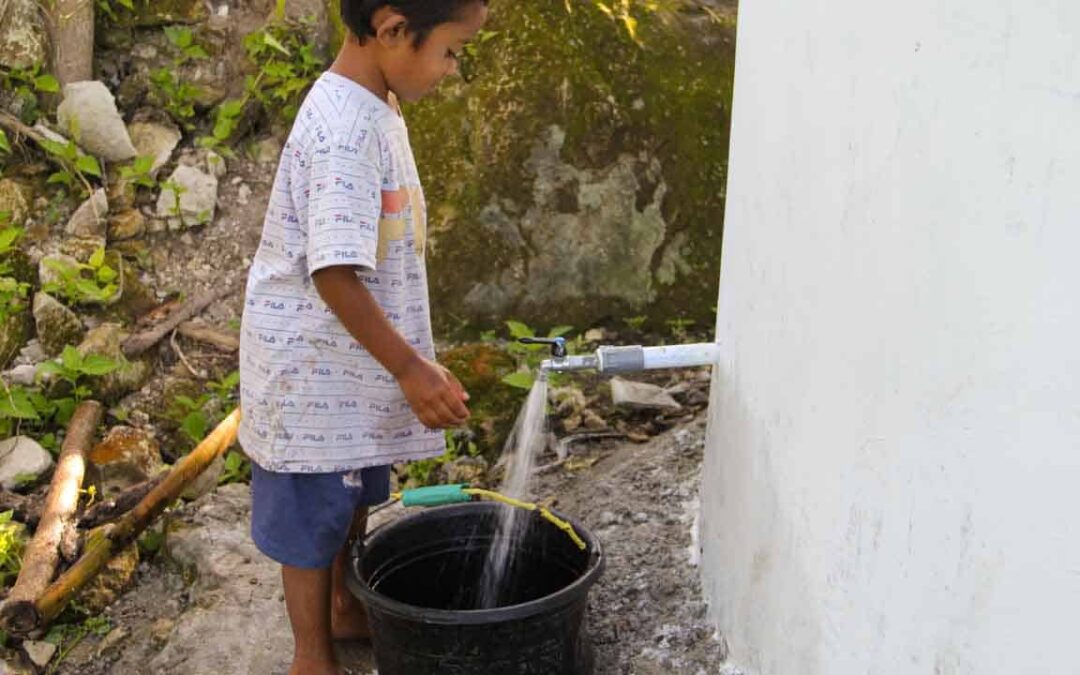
{"type": "Point", "coordinates": [634, 322]}
{"type": "Point", "coordinates": [190, 413]}
{"type": "Point", "coordinates": [680, 327]}
{"type": "Point", "coordinates": [26, 84]}
{"type": "Point", "coordinates": [226, 119]}
{"type": "Point", "coordinates": [74, 626]}
{"type": "Point", "coordinates": [183, 40]}
{"type": "Point", "coordinates": [237, 469]}
{"type": "Point", "coordinates": [72, 367]}
{"type": "Point", "coordinates": [139, 172]}
{"type": "Point", "coordinates": [109, 10]}
{"type": "Point", "coordinates": [467, 59]}
{"type": "Point", "coordinates": [287, 64]}
{"type": "Point", "coordinates": [12, 543]}
{"type": "Point", "coordinates": [74, 165]}
{"type": "Point", "coordinates": [5, 145]}
{"type": "Point", "coordinates": [83, 283]}
{"type": "Point", "coordinates": [423, 472]}
{"type": "Point", "coordinates": [177, 97]}
{"type": "Point", "coordinates": [225, 388]}
{"type": "Point", "coordinates": [15, 406]}
{"type": "Point", "coordinates": [12, 297]}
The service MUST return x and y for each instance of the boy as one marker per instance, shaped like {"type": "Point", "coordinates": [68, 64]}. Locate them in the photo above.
{"type": "Point", "coordinates": [338, 380]}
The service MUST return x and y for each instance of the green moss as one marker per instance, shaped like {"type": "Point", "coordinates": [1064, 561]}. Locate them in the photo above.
{"type": "Point", "coordinates": [666, 95]}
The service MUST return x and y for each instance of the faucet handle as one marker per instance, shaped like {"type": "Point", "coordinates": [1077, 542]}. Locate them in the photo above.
{"type": "Point", "coordinates": [558, 345]}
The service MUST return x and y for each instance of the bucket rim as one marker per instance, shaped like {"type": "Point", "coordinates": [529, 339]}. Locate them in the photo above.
{"type": "Point", "coordinates": [564, 596]}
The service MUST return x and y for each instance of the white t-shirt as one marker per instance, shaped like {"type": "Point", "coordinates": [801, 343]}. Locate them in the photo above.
{"type": "Point", "coordinates": [347, 192]}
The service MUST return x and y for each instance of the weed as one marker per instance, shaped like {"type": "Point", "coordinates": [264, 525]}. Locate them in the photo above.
{"type": "Point", "coordinates": [196, 416]}
{"type": "Point", "coordinates": [237, 469]}
{"type": "Point", "coordinates": [177, 97]}
{"type": "Point", "coordinates": [72, 367]}
{"type": "Point", "coordinates": [26, 84]}
{"type": "Point", "coordinates": [12, 543]}
{"type": "Point", "coordinates": [91, 282]}
{"type": "Point", "coordinates": [139, 172]}
{"type": "Point", "coordinates": [287, 67]}
{"type": "Point", "coordinates": [74, 165]}
{"type": "Point", "coordinates": [680, 328]}
{"type": "Point", "coordinates": [12, 297]}
{"type": "Point", "coordinates": [5, 145]}
{"type": "Point", "coordinates": [423, 472]}
{"type": "Point", "coordinates": [634, 322]}
{"type": "Point", "coordinates": [75, 625]}
{"type": "Point", "coordinates": [183, 40]}
{"type": "Point", "coordinates": [226, 119]}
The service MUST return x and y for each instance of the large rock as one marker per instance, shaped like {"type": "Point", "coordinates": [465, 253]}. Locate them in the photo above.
{"type": "Point", "coordinates": [591, 188]}
{"type": "Point", "coordinates": [89, 220]}
{"type": "Point", "coordinates": [196, 202]}
{"type": "Point", "coordinates": [88, 112]}
{"type": "Point", "coordinates": [127, 224]}
{"type": "Point", "coordinates": [23, 40]}
{"type": "Point", "coordinates": [56, 325]}
{"type": "Point", "coordinates": [22, 460]}
{"type": "Point", "coordinates": [13, 201]}
{"type": "Point", "coordinates": [641, 395]}
{"type": "Point", "coordinates": [126, 456]}
{"type": "Point", "coordinates": [154, 139]}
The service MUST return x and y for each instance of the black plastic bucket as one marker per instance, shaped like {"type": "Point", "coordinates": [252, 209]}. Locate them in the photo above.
{"type": "Point", "coordinates": [420, 576]}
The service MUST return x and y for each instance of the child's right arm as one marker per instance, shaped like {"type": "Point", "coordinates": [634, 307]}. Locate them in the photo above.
{"type": "Point", "coordinates": [435, 395]}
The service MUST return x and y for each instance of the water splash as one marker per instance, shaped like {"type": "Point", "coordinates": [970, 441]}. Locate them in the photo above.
{"type": "Point", "coordinates": [524, 445]}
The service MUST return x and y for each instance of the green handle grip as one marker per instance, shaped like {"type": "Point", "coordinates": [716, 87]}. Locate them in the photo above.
{"type": "Point", "coordinates": [435, 495]}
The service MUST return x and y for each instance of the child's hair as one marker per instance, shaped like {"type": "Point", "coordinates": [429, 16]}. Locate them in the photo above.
{"type": "Point", "coordinates": [422, 15]}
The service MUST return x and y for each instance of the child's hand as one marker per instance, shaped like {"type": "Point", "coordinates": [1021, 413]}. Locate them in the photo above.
{"type": "Point", "coordinates": [435, 395]}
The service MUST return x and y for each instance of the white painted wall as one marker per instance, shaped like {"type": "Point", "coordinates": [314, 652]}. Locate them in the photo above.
{"type": "Point", "coordinates": [893, 476]}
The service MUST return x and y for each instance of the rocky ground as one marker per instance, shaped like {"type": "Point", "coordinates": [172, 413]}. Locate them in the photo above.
{"type": "Point", "coordinates": [213, 603]}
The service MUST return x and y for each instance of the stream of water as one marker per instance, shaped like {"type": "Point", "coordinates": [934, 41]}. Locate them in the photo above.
{"type": "Point", "coordinates": [524, 445]}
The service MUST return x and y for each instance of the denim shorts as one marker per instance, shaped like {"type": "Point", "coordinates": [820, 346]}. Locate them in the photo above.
{"type": "Point", "coordinates": [303, 519]}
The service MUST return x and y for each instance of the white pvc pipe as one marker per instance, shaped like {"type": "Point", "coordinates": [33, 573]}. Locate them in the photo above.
{"type": "Point", "coordinates": [681, 356]}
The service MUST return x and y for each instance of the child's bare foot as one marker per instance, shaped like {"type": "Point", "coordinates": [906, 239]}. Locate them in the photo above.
{"type": "Point", "coordinates": [309, 666]}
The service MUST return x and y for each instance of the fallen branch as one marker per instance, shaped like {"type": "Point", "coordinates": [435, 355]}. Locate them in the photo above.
{"type": "Point", "coordinates": [43, 552]}
{"type": "Point", "coordinates": [105, 542]}
{"type": "Point", "coordinates": [140, 342]}
{"type": "Point", "coordinates": [111, 509]}
{"type": "Point", "coordinates": [201, 332]}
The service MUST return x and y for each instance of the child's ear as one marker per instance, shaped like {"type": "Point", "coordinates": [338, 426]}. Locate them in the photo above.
{"type": "Point", "coordinates": [390, 28]}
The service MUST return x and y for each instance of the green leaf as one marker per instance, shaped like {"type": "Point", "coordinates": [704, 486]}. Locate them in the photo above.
{"type": "Point", "coordinates": [49, 368]}
{"type": "Point", "coordinates": [88, 165]}
{"type": "Point", "coordinates": [272, 41]}
{"type": "Point", "coordinates": [95, 364]}
{"type": "Point", "coordinates": [181, 37]}
{"type": "Point", "coordinates": [519, 330]}
{"type": "Point", "coordinates": [46, 83]}
{"type": "Point", "coordinates": [8, 237]}
{"type": "Point", "coordinates": [4, 145]}
{"type": "Point", "coordinates": [196, 52]}
{"type": "Point", "coordinates": [522, 379]}
{"type": "Point", "coordinates": [71, 359]}
{"type": "Point", "coordinates": [15, 403]}
{"type": "Point", "coordinates": [194, 426]}
{"type": "Point", "coordinates": [97, 258]}
{"type": "Point", "coordinates": [559, 331]}
{"type": "Point", "coordinates": [106, 274]}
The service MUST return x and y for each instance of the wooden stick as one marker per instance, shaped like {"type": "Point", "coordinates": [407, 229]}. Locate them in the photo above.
{"type": "Point", "coordinates": [111, 509]}
{"type": "Point", "coordinates": [72, 28]}
{"type": "Point", "coordinates": [104, 542]}
{"type": "Point", "coordinates": [43, 552]}
{"type": "Point", "coordinates": [140, 342]}
{"type": "Point", "coordinates": [198, 330]}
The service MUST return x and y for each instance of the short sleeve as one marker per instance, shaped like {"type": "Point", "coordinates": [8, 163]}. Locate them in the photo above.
{"type": "Point", "coordinates": [344, 202]}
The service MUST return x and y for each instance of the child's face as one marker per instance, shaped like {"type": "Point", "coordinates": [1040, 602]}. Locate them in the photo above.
{"type": "Point", "coordinates": [413, 72]}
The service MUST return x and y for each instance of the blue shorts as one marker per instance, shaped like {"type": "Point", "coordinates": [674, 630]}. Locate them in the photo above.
{"type": "Point", "coordinates": [303, 519]}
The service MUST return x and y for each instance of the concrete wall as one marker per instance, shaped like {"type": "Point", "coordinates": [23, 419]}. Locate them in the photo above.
{"type": "Point", "coordinates": [893, 476]}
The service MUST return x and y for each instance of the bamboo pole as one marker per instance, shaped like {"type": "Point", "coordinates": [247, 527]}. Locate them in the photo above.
{"type": "Point", "coordinates": [43, 552]}
{"type": "Point", "coordinates": [104, 542]}
{"type": "Point", "coordinates": [72, 27]}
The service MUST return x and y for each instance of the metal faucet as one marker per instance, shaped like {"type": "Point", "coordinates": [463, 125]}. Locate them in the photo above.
{"type": "Point", "coordinates": [610, 359]}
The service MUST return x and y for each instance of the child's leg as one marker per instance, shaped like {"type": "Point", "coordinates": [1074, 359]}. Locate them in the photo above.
{"type": "Point", "coordinates": [307, 599]}
{"type": "Point", "coordinates": [348, 617]}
